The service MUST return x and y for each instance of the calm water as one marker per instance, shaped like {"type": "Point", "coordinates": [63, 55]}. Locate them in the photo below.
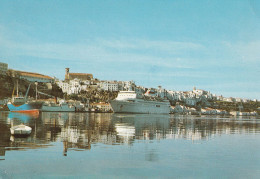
{"type": "Point", "coordinates": [87, 145]}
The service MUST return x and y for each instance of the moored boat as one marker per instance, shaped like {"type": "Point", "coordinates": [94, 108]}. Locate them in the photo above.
{"type": "Point", "coordinates": [62, 107]}
{"type": "Point", "coordinates": [130, 102]}
{"type": "Point", "coordinates": [21, 130]}
{"type": "Point", "coordinates": [31, 108]}
{"type": "Point", "coordinates": [21, 104]}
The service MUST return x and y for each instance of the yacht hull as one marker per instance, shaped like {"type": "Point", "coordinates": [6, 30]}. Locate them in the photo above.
{"type": "Point", "coordinates": [142, 107]}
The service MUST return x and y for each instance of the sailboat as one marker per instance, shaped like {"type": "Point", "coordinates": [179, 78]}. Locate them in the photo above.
{"type": "Point", "coordinates": [20, 103]}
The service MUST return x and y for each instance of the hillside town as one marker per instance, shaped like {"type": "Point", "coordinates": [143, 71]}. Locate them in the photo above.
{"type": "Point", "coordinates": [90, 94]}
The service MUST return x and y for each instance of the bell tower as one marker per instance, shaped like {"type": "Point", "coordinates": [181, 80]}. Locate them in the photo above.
{"type": "Point", "coordinates": [67, 73]}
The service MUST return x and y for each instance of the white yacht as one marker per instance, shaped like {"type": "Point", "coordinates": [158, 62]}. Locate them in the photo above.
{"type": "Point", "coordinates": [131, 102]}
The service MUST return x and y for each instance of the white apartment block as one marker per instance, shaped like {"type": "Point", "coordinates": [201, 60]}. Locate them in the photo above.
{"type": "Point", "coordinates": [109, 85]}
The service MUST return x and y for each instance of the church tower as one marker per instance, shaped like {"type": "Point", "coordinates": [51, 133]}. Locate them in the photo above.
{"type": "Point", "coordinates": [67, 73]}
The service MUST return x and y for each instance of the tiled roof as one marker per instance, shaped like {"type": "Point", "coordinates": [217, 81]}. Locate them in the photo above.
{"type": "Point", "coordinates": [81, 74]}
{"type": "Point", "coordinates": [30, 74]}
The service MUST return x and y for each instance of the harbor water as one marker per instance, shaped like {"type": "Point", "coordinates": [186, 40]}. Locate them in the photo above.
{"type": "Point", "coordinates": [106, 145]}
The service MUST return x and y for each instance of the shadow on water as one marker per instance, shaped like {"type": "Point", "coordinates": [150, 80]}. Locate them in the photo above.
{"type": "Point", "coordinates": [78, 131]}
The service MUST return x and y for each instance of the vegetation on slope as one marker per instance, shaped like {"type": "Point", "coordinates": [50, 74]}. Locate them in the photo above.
{"type": "Point", "coordinates": [8, 84]}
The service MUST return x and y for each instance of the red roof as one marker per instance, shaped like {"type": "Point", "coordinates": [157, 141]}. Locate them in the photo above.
{"type": "Point", "coordinates": [31, 74]}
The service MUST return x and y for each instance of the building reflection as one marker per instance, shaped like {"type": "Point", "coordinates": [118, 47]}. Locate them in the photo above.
{"type": "Point", "coordinates": [200, 128]}
{"type": "Point", "coordinates": [79, 131]}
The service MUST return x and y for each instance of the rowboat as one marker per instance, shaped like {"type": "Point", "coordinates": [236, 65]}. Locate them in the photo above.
{"type": "Point", "coordinates": [21, 130]}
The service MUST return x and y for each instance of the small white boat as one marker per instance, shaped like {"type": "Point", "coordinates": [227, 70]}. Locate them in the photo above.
{"type": "Point", "coordinates": [21, 130]}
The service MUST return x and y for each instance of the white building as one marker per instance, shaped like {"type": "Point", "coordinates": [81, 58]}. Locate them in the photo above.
{"type": "Point", "coordinates": [139, 90]}
{"type": "Point", "coordinates": [126, 85]}
{"type": "Point", "coordinates": [162, 93]}
{"type": "Point", "coordinates": [3, 68]}
{"type": "Point", "coordinates": [109, 85]}
{"type": "Point", "coordinates": [246, 100]}
{"type": "Point", "coordinates": [228, 99]}
{"type": "Point", "coordinates": [198, 91]}
{"type": "Point", "coordinates": [63, 85]}
{"type": "Point", "coordinates": [238, 100]}
{"type": "Point", "coordinates": [72, 86]}
{"type": "Point", "coordinates": [238, 113]}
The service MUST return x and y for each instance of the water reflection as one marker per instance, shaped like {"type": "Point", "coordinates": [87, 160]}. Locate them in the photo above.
{"type": "Point", "coordinates": [78, 131]}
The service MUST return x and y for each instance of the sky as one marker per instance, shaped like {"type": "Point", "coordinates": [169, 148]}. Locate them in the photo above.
{"type": "Point", "coordinates": [178, 44]}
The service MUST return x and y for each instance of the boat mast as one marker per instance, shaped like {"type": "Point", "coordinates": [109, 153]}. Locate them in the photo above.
{"type": "Point", "coordinates": [36, 84]}
{"type": "Point", "coordinates": [17, 88]}
{"type": "Point", "coordinates": [13, 92]}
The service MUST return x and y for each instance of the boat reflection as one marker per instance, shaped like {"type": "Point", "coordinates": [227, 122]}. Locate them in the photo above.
{"type": "Point", "coordinates": [79, 131]}
{"type": "Point", "coordinates": [19, 118]}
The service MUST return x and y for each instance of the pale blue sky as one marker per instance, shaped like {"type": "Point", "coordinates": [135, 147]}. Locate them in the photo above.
{"type": "Point", "coordinates": [213, 45]}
